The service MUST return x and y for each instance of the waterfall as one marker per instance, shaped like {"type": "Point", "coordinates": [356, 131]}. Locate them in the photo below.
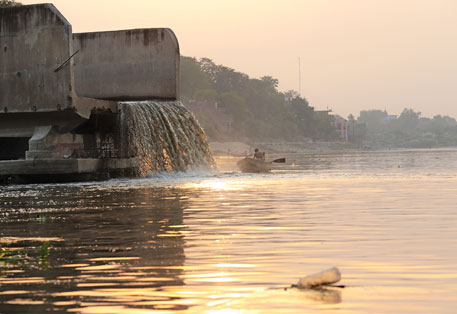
{"type": "Point", "coordinates": [164, 135]}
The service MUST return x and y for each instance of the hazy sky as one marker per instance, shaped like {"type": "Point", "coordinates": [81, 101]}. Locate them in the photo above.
{"type": "Point", "coordinates": [355, 54]}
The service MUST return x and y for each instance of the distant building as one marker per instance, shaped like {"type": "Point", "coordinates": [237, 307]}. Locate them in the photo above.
{"type": "Point", "coordinates": [291, 95]}
{"type": "Point", "coordinates": [288, 97]}
{"type": "Point", "coordinates": [319, 114]}
{"type": "Point", "coordinates": [357, 132]}
{"type": "Point", "coordinates": [390, 117]}
{"type": "Point", "coordinates": [341, 127]}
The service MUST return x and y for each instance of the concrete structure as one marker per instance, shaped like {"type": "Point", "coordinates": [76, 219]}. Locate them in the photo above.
{"type": "Point", "coordinates": [131, 64]}
{"type": "Point", "coordinates": [36, 41]}
{"type": "Point", "coordinates": [63, 170]}
{"type": "Point", "coordinates": [59, 91]}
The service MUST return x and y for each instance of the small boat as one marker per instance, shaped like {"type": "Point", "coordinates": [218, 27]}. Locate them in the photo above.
{"type": "Point", "coordinates": [252, 165]}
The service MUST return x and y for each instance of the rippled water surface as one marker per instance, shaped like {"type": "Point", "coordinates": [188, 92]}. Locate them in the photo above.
{"type": "Point", "coordinates": [234, 243]}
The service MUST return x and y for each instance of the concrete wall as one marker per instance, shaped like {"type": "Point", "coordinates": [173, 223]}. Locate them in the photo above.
{"type": "Point", "coordinates": [34, 41]}
{"type": "Point", "coordinates": [36, 85]}
{"type": "Point", "coordinates": [127, 65]}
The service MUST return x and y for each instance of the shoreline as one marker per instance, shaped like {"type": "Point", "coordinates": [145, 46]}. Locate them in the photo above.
{"type": "Point", "coordinates": [244, 149]}
{"type": "Point", "coordinates": [241, 149]}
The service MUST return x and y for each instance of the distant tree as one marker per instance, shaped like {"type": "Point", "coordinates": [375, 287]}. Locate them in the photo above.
{"type": "Point", "coordinates": [324, 129]}
{"type": "Point", "coordinates": [409, 130]}
{"type": "Point", "coordinates": [291, 94]}
{"type": "Point", "coordinates": [410, 114]}
{"type": "Point", "coordinates": [304, 115]}
{"type": "Point", "coordinates": [256, 101]}
{"type": "Point", "coordinates": [8, 3]}
{"type": "Point", "coordinates": [372, 118]}
{"type": "Point", "coordinates": [206, 94]}
{"type": "Point", "coordinates": [192, 78]}
{"type": "Point", "coordinates": [408, 120]}
{"type": "Point", "coordinates": [235, 105]}
{"type": "Point", "coordinates": [440, 126]}
{"type": "Point", "coordinates": [271, 82]}
{"type": "Point", "coordinates": [227, 80]}
{"type": "Point", "coordinates": [444, 120]}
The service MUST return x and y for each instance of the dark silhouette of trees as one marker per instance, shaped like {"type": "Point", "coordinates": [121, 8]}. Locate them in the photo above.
{"type": "Point", "coordinates": [258, 109]}
{"type": "Point", "coordinates": [8, 3]}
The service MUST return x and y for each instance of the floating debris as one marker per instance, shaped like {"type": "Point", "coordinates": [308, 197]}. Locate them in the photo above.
{"type": "Point", "coordinates": [323, 278]}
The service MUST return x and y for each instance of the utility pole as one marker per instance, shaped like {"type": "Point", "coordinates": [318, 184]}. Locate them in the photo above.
{"type": "Point", "coordinates": [299, 76]}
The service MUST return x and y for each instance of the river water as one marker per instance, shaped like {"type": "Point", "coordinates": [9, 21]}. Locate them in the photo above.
{"type": "Point", "coordinates": [231, 243]}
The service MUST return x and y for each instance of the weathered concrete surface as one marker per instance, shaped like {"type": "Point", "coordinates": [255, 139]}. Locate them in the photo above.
{"type": "Point", "coordinates": [63, 166]}
{"type": "Point", "coordinates": [46, 142]}
{"type": "Point", "coordinates": [127, 65]}
{"type": "Point", "coordinates": [58, 114]}
{"type": "Point", "coordinates": [23, 124]}
{"type": "Point", "coordinates": [65, 170]}
{"type": "Point", "coordinates": [34, 41]}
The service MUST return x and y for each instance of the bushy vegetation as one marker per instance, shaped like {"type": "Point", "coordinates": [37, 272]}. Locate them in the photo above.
{"type": "Point", "coordinates": [408, 130]}
{"type": "Point", "coordinates": [8, 3]}
{"type": "Point", "coordinates": [258, 109]}
{"type": "Point", "coordinates": [261, 112]}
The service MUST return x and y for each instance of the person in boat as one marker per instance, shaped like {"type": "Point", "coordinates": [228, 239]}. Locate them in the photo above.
{"type": "Point", "coordinates": [258, 154]}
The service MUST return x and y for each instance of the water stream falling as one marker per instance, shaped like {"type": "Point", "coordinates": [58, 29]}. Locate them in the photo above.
{"type": "Point", "coordinates": [164, 135]}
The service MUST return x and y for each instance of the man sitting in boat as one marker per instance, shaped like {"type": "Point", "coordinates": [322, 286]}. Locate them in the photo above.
{"type": "Point", "coordinates": [258, 154]}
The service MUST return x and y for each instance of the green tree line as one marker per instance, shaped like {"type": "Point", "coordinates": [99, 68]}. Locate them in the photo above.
{"type": "Point", "coordinates": [259, 110]}
{"type": "Point", "coordinates": [8, 3]}
{"type": "Point", "coordinates": [408, 130]}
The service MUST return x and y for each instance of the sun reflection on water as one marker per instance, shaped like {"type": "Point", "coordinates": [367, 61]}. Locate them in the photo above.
{"type": "Point", "coordinates": [217, 185]}
{"type": "Point", "coordinates": [233, 244]}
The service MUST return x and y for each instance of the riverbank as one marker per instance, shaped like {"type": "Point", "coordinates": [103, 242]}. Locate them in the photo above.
{"type": "Point", "coordinates": [242, 149]}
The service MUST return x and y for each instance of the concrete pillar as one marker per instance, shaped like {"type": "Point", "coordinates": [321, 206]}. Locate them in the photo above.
{"type": "Point", "coordinates": [47, 143]}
